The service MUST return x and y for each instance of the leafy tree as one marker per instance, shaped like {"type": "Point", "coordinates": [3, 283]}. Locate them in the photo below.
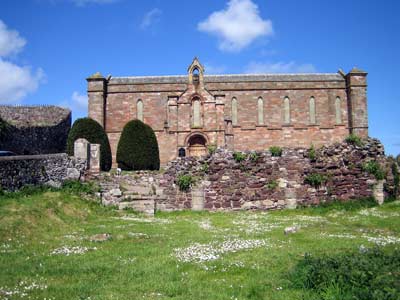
{"type": "Point", "coordinates": [138, 147]}
{"type": "Point", "coordinates": [94, 133]}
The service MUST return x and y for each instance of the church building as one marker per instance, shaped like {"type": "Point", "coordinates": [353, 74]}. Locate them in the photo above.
{"type": "Point", "coordinates": [241, 112]}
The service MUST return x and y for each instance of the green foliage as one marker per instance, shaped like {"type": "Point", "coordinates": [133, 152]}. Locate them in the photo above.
{"type": "Point", "coordinates": [253, 156]}
{"type": "Point", "coordinates": [354, 140]}
{"type": "Point", "coordinates": [272, 185]}
{"type": "Point", "coordinates": [239, 156]}
{"type": "Point", "coordinates": [374, 168]}
{"type": "Point", "coordinates": [77, 187]}
{"type": "Point", "coordinates": [398, 159]}
{"type": "Point", "coordinates": [315, 179]}
{"type": "Point", "coordinates": [312, 155]}
{"type": "Point", "coordinates": [185, 182]}
{"type": "Point", "coordinates": [396, 179]}
{"type": "Point", "coordinates": [275, 151]}
{"type": "Point", "coordinates": [204, 167]}
{"type": "Point", "coordinates": [94, 133]}
{"type": "Point", "coordinates": [365, 274]}
{"type": "Point", "coordinates": [211, 149]}
{"type": "Point", "coordinates": [138, 147]}
{"type": "Point", "coordinates": [349, 205]}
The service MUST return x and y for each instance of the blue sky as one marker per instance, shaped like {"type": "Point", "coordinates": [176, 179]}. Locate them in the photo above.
{"type": "Point", "coordinates": [49, 47]}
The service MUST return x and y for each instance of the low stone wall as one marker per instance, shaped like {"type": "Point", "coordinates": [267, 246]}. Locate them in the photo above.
{"type": "Point", "coordinates": [50, 169]}
{"type": "Point", "coordinates": [260, 181]}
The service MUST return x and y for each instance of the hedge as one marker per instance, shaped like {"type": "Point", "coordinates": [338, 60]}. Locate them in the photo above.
{"type": "Point", "coordinates": [138, 147]}
{"type": "Point", "coordinates": [94, 133]}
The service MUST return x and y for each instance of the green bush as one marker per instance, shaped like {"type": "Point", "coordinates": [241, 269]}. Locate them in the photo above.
{"type": "Point", "coordinates": [364, 274]}
{"type": "Point", "coordinates": [275, 151]}
{"type": "Point", "coordinates": [374, 168]}
{"type": "Point", "coordinates": [239, 156]}
{"type": "Point", "coordinates": [185, 182]}
{"type": "Point", "coordinates": [354, 140]}
{"type": "Point", "coordinates": [315, 179]}
{"type": "Point", "coordinates": [211, 149]}
{"type": "Point", "coordinates": [77, 187]}
{"type": "Point", "coordinates": [3, 129]}
{"type": "Point", "coordinates": [138, 147]}
{"type": "Point", "coordinates": [204, 167]}
{"type": "Point", "coordinates": [253, 156]}
{"type": "Point", "coordinates": [272, 185]}
{"type": "Point", "coordinates": [398, 159]}
{"type": "Point", "coordinates": [312, 155]}
{"type": "Point", "coordinates": [94, 133]}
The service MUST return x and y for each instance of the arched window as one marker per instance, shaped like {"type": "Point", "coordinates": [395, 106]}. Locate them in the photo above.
{"type": "Point", "coordinates": [139, 110]}
{"type": "Point", "coordinates": [260, 109]}
{"type": "Point", "coordinates": [286, 110]}
{"type": "Point", "coordinates": [196, 113]}
{"type": "Point", "coordinates": [181, 152]}
{"type": "Point", "coordinates": [234, 111]}
{"type": "Point", "coordinates": [338, 110]}
{"type": "Point", "coordinates": [312, 110]}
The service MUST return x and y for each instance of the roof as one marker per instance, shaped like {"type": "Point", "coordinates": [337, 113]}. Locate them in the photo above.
{"type": "Point", "coordinates": [229, 78]}
{"type": "Point", "coordinates": [33, 116]}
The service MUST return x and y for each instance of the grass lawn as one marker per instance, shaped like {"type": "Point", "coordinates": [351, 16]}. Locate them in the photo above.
{"type": "Point", "coordinates": [46, 251]}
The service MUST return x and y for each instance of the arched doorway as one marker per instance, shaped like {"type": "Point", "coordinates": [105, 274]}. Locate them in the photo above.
{"type": "Point", "coordinates": [197, 145]}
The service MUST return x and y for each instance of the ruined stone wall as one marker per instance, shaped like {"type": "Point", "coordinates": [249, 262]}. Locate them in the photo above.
{"type": "Point", "coordinates": [51, 169]}
{"type": "Point", "coordinates": [35, 129]}
{"type": "Point", "coordinates": [267, 182]}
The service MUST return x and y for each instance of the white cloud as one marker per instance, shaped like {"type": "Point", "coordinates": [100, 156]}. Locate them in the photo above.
{"type": "Point", "coordinates": [10, 41]}
{"type": "Point", "coordinates": [151, 17]}
{"type": "Point", "coordinates": [78, 103]}
{"type": "Point", "coordinates": [16, 82]}
{"type": "Point", "coordinates": [237, 26]}
{"type": "Point", "coordinates": [88, 2]}
{"type": "Point", "coordinates": [214, 69]}
{"type": "Point", "coordinates": [279, 67]}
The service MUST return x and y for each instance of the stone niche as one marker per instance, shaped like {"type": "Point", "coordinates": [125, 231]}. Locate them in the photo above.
{"type": "Point", "coordinates": [88, 152]}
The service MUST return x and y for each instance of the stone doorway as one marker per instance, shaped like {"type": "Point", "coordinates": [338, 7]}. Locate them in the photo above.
{"type": "Point", "coordinates": [197, 145]}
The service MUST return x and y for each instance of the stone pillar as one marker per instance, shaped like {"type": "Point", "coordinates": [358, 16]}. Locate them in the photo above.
{"type": "Point", "coordinates": [94, 159]}
{"type": "Point", "coordinates": [378, 193]}
{"type": "Point", "coordinates": [82, 150]}
{"type": "Point", "coordinates": [356, 82]}
{"type": "Point", "coordinates": [197, 198]}
{"type": "Point", "coordinates": [172, 108]}
{"type": "Point", "coordinates": [97, 93]}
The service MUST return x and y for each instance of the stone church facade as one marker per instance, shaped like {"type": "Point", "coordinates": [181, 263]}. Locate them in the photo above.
{"type": "Point", "coordinates": [240, 112]}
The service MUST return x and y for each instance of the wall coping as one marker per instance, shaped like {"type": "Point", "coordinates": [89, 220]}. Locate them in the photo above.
{"type": "Point", "coordinates": [33, 157]}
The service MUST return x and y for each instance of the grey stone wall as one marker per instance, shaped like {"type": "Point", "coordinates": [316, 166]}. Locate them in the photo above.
{"type": "Point", "coordinates": [35, 129]}
{"type": "Point", "coordinates": [51, 169]}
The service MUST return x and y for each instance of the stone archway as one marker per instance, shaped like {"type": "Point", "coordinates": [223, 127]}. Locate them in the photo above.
{"type": "Point", "coordinates": [197, 145]}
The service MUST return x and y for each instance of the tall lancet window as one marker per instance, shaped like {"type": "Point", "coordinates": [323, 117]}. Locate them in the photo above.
{"type": "Point", "coordinates": [260, 110]}
{"type": "Point", "coordinates": [196, 113]}
{"type": "Point", "coordinates": [286, 110]}
{"type": "Point", "coordinates": [338, 110]}
{"type": "Point", "coordinates": [139, 110]}
{"type": "Point", "coordinates": [234, 111]}
{"type": "Point", "coordinates": [312, 111]}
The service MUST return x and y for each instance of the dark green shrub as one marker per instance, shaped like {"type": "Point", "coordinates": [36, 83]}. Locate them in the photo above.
{"type": "Point", "coordinates": [204, 167]}
{"type": "Point", "coordinates": [239, 156]}
{"type": "Point", "coordinates": [354, 140]}
{"type": "Point", "coordinates": [315, 179]}
{"type": "Point", "coordinates": [3, 129]}
{"type": "Point", "coordinates": [312, 155]}
{"type": "Point", "coordinates": [275, 151]}
{"type": "Point", "coordinates": [77, 187]}
{"type": "Point", "coordinates": [398, 159]}
{"type": "Point", "coordinates": [185, 182]}
{"type": "Point", "coordinates": [374, 168]}
{"type": "Point", "coordinates": [94, 133]}
{"type": "Point", "coordinates": [138, 147]}
{"type": "Point", "coordinates": [364, 274]}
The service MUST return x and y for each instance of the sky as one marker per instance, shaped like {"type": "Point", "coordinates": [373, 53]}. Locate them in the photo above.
{"type": "Point", "coordinates": [49, 47]}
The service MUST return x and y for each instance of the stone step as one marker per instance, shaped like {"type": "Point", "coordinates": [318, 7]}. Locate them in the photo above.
{"type": "Point", "coordinates": [146, 206]}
